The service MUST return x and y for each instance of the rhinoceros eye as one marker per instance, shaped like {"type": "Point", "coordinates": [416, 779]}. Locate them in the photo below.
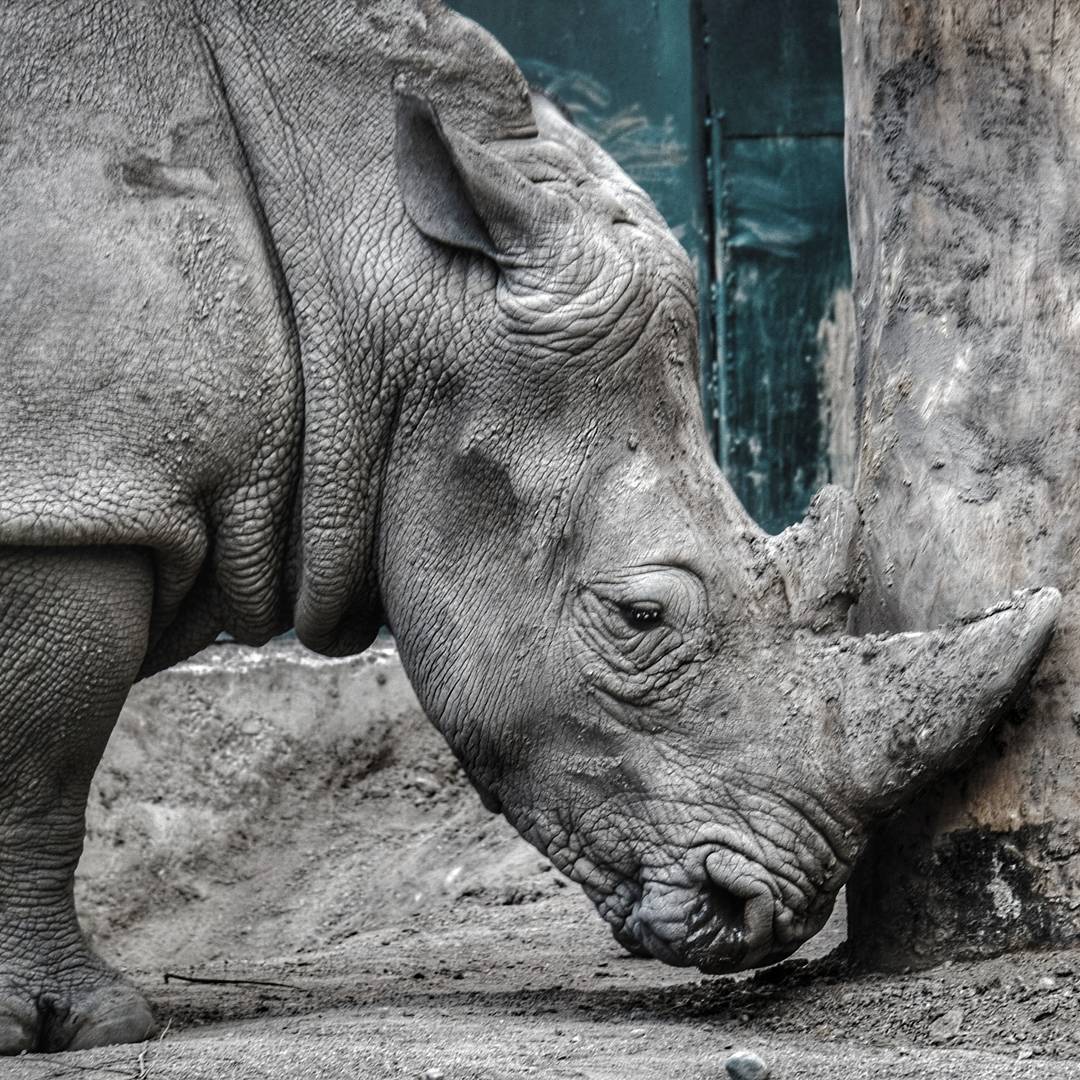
{"type": "Point", "coordinates": [642, 614]}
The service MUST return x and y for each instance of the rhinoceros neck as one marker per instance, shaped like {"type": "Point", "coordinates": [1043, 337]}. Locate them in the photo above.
{"type": "Point", "coordinates": [309, 88]}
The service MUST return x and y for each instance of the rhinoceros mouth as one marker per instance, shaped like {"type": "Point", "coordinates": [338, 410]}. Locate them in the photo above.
{"type": "Point", "coordinates": [686, 927]}
{"type": "Point", "coordinates": [735, 917]}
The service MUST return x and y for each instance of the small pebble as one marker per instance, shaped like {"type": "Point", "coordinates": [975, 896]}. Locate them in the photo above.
{"type": "Point", "coordinates": [744, 1065]}
{"type": "Point", "coordinates": [433, 1074]}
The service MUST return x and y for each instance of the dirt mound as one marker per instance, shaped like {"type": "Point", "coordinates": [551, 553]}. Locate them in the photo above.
{"type": "Point", "coordinates": [255, 797]}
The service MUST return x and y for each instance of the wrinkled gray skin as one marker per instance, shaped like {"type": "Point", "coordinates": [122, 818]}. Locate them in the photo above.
{"type": "Point", "coordinates": [310, 316]}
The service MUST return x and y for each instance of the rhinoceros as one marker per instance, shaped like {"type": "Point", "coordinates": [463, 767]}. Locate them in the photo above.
{"type": "Point", "coordinates": [312, 315]}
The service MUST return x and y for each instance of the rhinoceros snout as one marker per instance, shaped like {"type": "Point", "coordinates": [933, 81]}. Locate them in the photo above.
{"type": "Point", "coordinates": [733, 917]}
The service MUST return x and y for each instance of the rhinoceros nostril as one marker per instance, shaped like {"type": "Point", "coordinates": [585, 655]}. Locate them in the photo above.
{"type": "Point", "coordinates": [725, 910]}
{"type": "Point", "coordinates": [748, 885]}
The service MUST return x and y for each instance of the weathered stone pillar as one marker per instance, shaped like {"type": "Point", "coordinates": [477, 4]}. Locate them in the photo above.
{"type": "Point", "coordinates": [963, 142]}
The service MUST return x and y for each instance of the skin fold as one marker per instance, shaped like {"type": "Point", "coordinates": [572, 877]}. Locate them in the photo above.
{"type": "Point", "coordinates": [312, 315]}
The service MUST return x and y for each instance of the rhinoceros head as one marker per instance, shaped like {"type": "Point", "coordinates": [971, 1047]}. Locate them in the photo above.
{"type": "Point", "coordinates": [658, 695]}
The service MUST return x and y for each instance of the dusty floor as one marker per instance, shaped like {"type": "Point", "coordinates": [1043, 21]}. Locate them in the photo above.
{"type": "Point", "coordinates": [272, 817]}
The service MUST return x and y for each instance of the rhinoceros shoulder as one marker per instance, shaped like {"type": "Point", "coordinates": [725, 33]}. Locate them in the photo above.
{"type": "Point", "coordinates": [148, 386]}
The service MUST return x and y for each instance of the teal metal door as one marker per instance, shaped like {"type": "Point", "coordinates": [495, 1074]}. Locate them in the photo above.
{"type": "Point", "coordinates": [775, 111]}
{"type": "Point", "coordinates": [730, 114]}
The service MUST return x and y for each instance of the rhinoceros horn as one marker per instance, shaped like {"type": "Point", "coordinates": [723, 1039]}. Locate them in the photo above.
{"type": "Point", "coordinates": [917, 704]}
{"type": "Point", "coordinates": [899, 709]}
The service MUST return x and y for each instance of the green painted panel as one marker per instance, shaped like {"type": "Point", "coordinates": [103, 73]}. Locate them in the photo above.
{"type": "Point", "coordinates": [774, 66]}
{"type": "Point", "coordinates": [785, 254]}
{"type": "Point", "coordinates": [775, 95]}
{"type": "Point", "coordinates": [627, 71]}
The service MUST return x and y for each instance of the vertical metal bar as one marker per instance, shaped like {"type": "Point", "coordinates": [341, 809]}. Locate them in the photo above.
{"type": "Point", "coordinates": [711, 383]}
{"type": "Point", "coordinates": [720, 295]}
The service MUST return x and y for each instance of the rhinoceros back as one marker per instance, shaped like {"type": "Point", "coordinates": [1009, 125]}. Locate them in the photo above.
{"type": "Point", "coordinates": [148, 385]}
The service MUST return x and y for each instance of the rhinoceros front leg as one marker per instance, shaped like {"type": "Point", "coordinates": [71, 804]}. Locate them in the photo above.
{"type": "Point", "coordinates": [73, 632]}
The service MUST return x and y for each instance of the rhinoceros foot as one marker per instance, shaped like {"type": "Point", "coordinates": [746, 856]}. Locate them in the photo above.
{"type": "Point", "coordinates": [80, 1008]}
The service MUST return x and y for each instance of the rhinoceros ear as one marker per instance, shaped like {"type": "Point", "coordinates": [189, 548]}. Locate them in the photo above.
{"type": "Point", "coordinates": [461, 193]}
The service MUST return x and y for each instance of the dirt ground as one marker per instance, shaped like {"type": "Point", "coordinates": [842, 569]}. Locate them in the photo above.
{"type": "Point", "coordinates": [294, 822]}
